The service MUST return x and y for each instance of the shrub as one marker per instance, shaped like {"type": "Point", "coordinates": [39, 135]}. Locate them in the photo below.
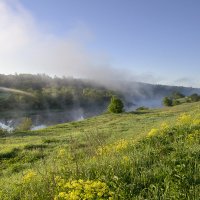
{"type": "Point", "coordinates": [116, 105]}
{"type": "Point", "coordinates": [177, 95]}
{"type": "Point", "coordinates": [194, 97]}
{"type": "Point", "coordinates": [3, 132]}
{"type": "Point", "coordinates": [167, 101]}
{"type": "Point", "coordinates": [175, 102]}
{"type": "Point", "coordinates": [25, 125]}
{"type": "Point", "coordinates": [142, 108]}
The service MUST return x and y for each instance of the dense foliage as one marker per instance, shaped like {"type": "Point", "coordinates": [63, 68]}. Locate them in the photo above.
{"type": "Point", "coordinates": [177, 98]}
{"type": "Point", "coordinates": [51, 93]}
{"type": "Point", "coordinates": [116, 105]}
{"type": "Point", "coordinates": [167, 101]}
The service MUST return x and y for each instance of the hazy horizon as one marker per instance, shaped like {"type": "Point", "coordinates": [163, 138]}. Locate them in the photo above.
{"type": "Point", "coordinates": [154, 42]}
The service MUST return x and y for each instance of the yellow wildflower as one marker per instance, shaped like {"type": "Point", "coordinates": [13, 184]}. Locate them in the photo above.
{"type": "Point", "coordinates": [29, 176]}
{"type": "Point", "coordinates": [113, 148]}
{"type": "Point", "coordinates": [196, 122]}
{"type": "Point", "coordinates": [193, 136]}
{"type": "Point", "coordinates": [152, 132]}
{"type": "Point", "coordinates": [61, 153]}
{"type": "Point", "coordinates": [125, 159]}
{"type": "Point", "coordinates": [80, 189]}
{"type": "Point", "coordinates": [184, 119]}
{"type": "Point", "coordinates": [164, 126]}
{"type": "Point", "coordinates": [121, 144]}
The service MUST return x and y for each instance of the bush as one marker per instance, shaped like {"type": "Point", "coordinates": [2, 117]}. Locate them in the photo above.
{"type": "Point", "coordinates": [116, 105]}
{"type": "Point", "coordinates": [3, 132]}
{"type": "Point", "coordinates": [175, 102]}
{"type": "Point", "coordinates": [194, 97]}
{"type": "Point", "coordinates": [142, 108]}
{"type": "Point", "coordinates": [177, 95]}
{"type": "Point", "coordinates": [25, 125]}
{"type": "Point", "coordinates": [167, 101]}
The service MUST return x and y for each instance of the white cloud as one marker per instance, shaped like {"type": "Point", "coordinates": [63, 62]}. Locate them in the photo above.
{"type": "Point", "coordinates": [187, 81]}
{"type": "Point", "coordinates": [26, 49]}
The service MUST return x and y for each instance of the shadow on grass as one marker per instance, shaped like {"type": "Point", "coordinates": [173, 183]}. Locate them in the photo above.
{"type": "Point", "coordinates": [140, 112]}
{"type": "Point", "coordinates": [10, 154]}
{"type": "Point", "coordinates": [21, 134]}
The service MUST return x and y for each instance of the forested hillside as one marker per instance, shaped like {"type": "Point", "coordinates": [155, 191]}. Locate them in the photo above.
{"type": "Point", "coordinates": [64, 93]}
{"type": "Point", "coordinates": [51, 93]}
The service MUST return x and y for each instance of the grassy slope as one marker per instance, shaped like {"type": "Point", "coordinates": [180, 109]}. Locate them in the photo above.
{"type": "Point", "coordinates": [40, 150]}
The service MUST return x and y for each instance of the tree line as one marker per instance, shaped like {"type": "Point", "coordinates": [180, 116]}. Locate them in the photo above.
{"type": "Point", "coordinates": [50, 93]}
{"type": "Point", "coordinates": [177, 98]}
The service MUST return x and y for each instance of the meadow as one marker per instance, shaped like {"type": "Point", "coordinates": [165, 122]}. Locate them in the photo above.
{"type": "Point", "coordinates": [148, 154]}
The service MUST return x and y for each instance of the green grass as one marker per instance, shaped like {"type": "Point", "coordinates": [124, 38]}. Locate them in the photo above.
{"type": "Point", "coordinates": [113, 149]}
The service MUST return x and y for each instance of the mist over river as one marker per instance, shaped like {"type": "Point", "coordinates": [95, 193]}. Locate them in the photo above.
{"type": "Point", "coordinates": [41, 119]}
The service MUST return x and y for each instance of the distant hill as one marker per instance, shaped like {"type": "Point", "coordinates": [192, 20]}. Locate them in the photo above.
{"type": "Point", "coordinates": [150, 95]}
{"type": "Point", "coordinates": [68, 93]}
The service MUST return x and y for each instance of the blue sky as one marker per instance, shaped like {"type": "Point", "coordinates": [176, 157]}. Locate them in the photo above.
{"type": "Point", "coordinates": [155, 40]}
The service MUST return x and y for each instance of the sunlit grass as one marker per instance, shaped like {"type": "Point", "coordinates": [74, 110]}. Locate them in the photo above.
{"type": "Point", "coordinates": [144, 155]}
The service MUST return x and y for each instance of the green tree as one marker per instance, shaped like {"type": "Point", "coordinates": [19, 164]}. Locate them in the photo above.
{"type": "Point", "coordinates": [177, 95]}
{"type": "Point", "coordinates": [116, 105]}
{"type": "Point", "coordinates": [175, 102]}
{"type": "Point", "coordinates": [194, 97]}
{"type": "Point", "coordinates": [167, 101]}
